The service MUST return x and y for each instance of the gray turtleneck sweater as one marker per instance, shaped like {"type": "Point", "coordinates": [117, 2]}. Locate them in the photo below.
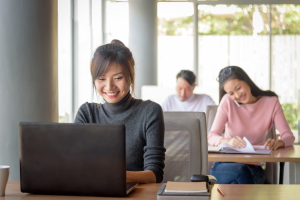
{"type": "Point", "coordinates": [144, 130]}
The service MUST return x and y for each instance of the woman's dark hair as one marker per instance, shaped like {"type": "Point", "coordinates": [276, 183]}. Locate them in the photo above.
{"type": "Point", "coordinates": [114, 52]}
{"type": "Point", "coordinates": [187, 75]}
{"type": "Point", "coordinates": [234, 72]}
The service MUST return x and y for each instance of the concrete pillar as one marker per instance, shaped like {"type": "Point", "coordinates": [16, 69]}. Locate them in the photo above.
{"type": "Point", "coordinates": [28, 71]}
{"type": "Point", "coordinates": [143, 41]}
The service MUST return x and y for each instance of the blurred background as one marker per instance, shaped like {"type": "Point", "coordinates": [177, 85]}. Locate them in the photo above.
{"type": "Point", "coordinates": [203, 36]}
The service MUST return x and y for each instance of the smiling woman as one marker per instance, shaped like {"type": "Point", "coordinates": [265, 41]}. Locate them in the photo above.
{"type": "Point", "coordinates": [112, 70]}
{"type": "Point", "coordinates": [261, 109]}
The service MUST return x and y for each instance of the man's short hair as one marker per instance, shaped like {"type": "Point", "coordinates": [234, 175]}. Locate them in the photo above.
{"type": "Point", "coordinates": [187, 75]}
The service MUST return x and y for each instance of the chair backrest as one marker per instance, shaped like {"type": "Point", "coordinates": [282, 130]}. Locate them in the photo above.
{"type": "Point", "coordinates": [186, 145]}
{"type": "Point", "coordinates": [211, 112]}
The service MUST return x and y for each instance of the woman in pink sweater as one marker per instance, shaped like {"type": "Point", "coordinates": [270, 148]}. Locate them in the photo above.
{"type": "Point", "coordinates": [245, 111]}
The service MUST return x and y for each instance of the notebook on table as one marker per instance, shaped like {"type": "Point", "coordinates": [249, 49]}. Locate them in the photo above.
{"type": "Point", "coordinates": [184, 190]}
{"type": "Point", "coordinates": [249, 149]}
{"type": "Point", "coordinates": [73, 159]}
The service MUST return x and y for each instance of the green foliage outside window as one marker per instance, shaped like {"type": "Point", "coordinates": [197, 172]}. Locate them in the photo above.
{"type": "Point", "coordinates": [285, 21]}
{"type": "Point", "coordinates": [291, 115]}
{"type": "Point", "coordinates": [64, 119]}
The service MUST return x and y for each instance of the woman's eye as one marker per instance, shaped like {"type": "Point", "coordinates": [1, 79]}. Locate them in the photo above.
{"type": "Point", "coordinates": [238, 88]}
{"type": "Point", "coordinates": [101, 79]}
{"type": "Point", "coordinates": [118, 78]}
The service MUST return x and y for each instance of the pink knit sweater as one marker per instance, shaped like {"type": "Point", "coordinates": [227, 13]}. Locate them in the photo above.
{"type": "Point", "coordinates": [252, 121]}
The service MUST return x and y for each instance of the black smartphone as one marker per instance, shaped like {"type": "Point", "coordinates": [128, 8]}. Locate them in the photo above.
{"type": "Point", "coordinates": [199, 178]}
{"type": "Point", "coordinates": [209, 179]}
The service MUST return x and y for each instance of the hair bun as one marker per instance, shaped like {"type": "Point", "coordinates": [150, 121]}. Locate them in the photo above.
{"type": "Point", "coordinates": [114, 41]}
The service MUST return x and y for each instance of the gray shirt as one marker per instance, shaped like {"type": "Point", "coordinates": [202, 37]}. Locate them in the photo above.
{"type": "Point", "coordinates": [144, 130]}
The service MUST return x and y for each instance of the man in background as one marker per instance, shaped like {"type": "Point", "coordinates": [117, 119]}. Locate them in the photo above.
{"type": "Point", "coordinates": [185, 99]}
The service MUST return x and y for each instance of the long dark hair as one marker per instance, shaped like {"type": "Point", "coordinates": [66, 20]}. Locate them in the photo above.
{"type": "Point", "coordinates": [114, 52]}
{"type": "Point", "coordinates": [234, 72]}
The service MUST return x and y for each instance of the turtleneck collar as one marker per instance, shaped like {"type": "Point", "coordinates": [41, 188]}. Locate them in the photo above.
{"type": "Point", "coordinates": [120, 106]}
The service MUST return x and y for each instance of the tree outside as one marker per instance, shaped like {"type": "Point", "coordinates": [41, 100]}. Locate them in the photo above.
{"type": "Point", "coordinates": [285, 21]}
{"type": "Point", "coordinates": [241, 20]}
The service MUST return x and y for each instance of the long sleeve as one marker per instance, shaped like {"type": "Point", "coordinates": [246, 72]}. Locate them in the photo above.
{"type": "Point", "coordinates": [282, 126]}
{"type": "Point", "coordinates": [154, 151]}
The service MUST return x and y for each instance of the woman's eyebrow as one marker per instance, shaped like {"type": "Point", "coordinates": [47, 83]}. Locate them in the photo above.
{"type": "Point", "coordinates": [118, 73]}
{"type": "Point", "coordinates": [115, 74]}
{"type": "Point", "coordinates": [236, 86]}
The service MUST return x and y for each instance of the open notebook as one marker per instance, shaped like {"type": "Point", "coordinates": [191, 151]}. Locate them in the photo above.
{"type": "Point", "coordinates": [249, 149]}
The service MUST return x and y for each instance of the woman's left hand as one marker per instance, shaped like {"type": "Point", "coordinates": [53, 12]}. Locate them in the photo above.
{"type": "Point", "coordinates": [274, 144]}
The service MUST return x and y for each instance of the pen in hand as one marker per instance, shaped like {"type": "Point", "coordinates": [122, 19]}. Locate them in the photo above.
{"type": "Point", "coordinates": [220, 192]}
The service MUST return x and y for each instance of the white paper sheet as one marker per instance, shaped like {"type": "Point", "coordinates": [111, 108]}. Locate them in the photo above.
{"type": "Point", "coordinates": [248, 149]}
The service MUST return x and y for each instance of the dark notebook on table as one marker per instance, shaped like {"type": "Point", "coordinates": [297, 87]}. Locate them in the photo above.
{"type": "Point", "coordinates": [73, 159]}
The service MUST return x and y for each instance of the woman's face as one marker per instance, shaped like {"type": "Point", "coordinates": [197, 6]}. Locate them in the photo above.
{"type": "Point", "coordinates": [239, 91]}
{"type": "Point", "coordinates": [112, 85]}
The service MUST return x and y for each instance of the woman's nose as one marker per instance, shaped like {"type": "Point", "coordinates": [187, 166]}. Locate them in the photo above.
{"type": "Point", "coordinates": [109, 85]}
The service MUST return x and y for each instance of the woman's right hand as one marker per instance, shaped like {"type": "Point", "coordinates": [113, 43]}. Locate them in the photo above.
{"type": "Point", "coordinates": [236, 142]}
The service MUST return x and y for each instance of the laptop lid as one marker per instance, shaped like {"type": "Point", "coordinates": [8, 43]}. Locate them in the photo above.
{"type": "Point", "coordinates": [73, 159]}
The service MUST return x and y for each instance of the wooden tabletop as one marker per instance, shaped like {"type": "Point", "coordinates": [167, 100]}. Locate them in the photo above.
{"type": "Point", "coordinates": [148, 192]}
{"type": "Point", "coordinates": [287, 154]}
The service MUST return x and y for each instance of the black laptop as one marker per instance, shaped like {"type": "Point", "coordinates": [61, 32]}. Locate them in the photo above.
{"type": "Point", "coordinates": [73, 159]}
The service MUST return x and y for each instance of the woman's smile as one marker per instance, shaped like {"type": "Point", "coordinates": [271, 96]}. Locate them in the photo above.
{"type": "Point", "coordinates": [242, 97]}
{"type": "Point", "coordinates": [112, 94]}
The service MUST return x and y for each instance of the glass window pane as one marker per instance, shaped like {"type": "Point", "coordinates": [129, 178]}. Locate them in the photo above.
{"type": "Point", "coordinates": [117, 21]}
{"type": "Point", "coordinates": [97, 38]}
{"type": "Point", "coordinates": [64, 61]}
{"type": "Point", "coordinates": [233, 35]}
{"type": "Point", "coordinates": [83, 48]}
{"type": "Point", "coordinates": [175, 41]}
{"type": "Point", "coordinates": [96, 24]}
{"type": "Point", "coordinates": [285, 60]}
